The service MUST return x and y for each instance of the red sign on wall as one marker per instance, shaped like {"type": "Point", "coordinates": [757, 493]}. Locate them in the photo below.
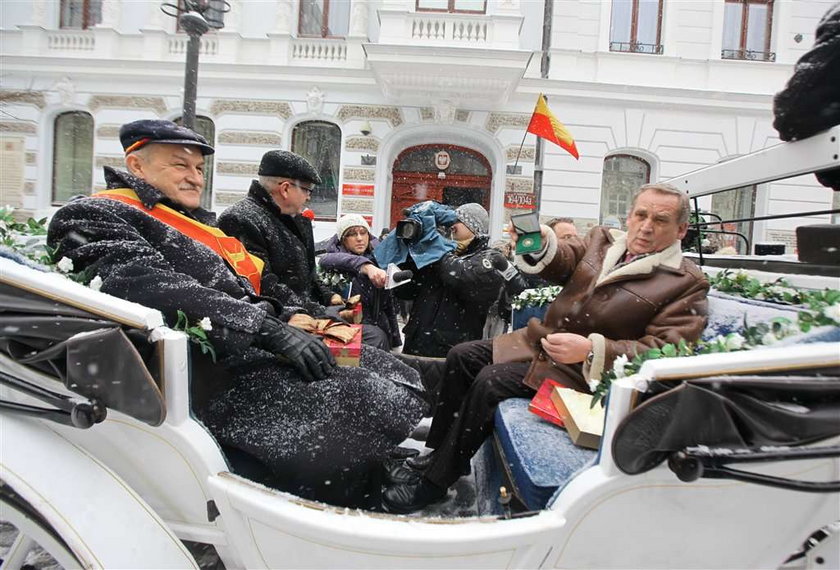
{"type": "Point", "coordinates": [357, 190]}
{"type": "Point", "coordinates": [520, 200]}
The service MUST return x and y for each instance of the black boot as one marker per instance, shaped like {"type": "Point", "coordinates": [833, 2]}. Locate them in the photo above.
{"type": "Point", "coordinates": [402, 499]}
{"type": "Point", "coordinates": [399, 474]}
{"type": "Point", "coordinates": [421, 462]}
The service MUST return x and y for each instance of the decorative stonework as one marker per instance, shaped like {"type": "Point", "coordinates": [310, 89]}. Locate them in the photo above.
{"type": "Point", "coordinates": [18, 127]}
{"type": "Point", "coordinates": [35, 98]}
{"type": "Point", "coordinates": [462, 116]}
{"type": "Point", "coordinates": [31, 158]}
{"type": "Point", "coordinates": [362, 143]}
{"type": "Point", "coordinates": [315, 101]}
{"type": "Point", "coordinates": [227, 198]}
{"type": "Point", "coordinates": [65, 87]}
{"type": "Point", "coordinates": [126, 101]}
{"type": "Point", "coordinates": [514, 120]}
{"type": "Point", "coordinates": [519, 184]}
{"type": "Point", "coordinates": [29, 188]}
{"type": "Point", "coordinates": [385, 112]}
{"type": "Point", "coordinates": [427, 113]}
{"type": "Point", "coordinates": [272, 108]}
{"type": "Point", "coordinates": [108, 132]}
{"type": "Point", "coordinates": [527, 155]}
{"type": "Point", "coordinates": [250, 138]}
{"type": "Point", "coordinates": [112, 161]}
{"type": "Point", "coordinates": [359, 174]}
{"type": "Point", "coordinates": [237, 168]}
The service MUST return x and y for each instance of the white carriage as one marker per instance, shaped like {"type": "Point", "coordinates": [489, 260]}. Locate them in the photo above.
{"type": "Point", "coordinates": [117, 473]}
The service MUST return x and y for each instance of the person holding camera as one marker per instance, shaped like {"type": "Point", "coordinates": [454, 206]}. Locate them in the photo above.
{"type": "Point", "coordinates": [350, 253]}
{"type": "Point", "coordinates": [455, 281]}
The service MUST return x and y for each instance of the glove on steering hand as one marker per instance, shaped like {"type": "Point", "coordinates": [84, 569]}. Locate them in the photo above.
{"type": "Point", "coordinates": [305, 352]}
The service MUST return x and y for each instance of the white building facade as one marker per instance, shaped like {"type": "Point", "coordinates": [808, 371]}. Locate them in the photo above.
{"type": "Point", "coordinates": [396, 101]}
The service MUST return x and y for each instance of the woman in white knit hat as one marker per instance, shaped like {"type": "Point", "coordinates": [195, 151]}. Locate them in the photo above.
{"type": "Point", "coordinates": [350, 253]}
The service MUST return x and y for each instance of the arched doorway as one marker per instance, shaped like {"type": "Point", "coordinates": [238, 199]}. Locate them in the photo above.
{"type": "Point", "coordinates": [450, 174]}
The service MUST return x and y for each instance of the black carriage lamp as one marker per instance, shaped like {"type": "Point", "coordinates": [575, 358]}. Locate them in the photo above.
{"type": "Point", "coordinates": [195, 17]}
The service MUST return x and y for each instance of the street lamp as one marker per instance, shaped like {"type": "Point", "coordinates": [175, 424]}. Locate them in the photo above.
{"type": "Point", "coordinates": [195, 17]}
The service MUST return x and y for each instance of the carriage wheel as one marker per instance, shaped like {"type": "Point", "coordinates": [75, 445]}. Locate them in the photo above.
{"type": "Point", "coordinates": [34, 541]}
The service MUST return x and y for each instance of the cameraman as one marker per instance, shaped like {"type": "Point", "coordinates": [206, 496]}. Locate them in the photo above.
{"type": "Point", "coordinates": [454, 284]}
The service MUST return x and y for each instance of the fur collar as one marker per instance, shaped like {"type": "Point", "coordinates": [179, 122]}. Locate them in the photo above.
{"type": "Point", "coordinates": [670, 257]}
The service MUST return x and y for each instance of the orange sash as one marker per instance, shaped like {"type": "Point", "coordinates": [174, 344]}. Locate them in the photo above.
{"type": "Point", "coordinates": [229, 248]}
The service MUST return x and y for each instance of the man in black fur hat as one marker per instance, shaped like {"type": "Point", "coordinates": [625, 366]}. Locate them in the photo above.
{"type": "Point", "coordinates": [302, 424]}
{"type": "Point", "coordinates": [270, 225]}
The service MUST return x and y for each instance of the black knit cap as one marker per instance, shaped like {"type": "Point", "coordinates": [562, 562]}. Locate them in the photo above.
{"type": "Point", "coordinates": [285, 164]}
{"type": "Point", "coordinates": [138, 134]}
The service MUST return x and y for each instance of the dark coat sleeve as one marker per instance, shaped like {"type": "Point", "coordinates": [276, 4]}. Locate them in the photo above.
{"type": "Point", "coordinates": [472, 281]}
{"type": "Point", "coordinates": [344, 262]}
{"type": "Point", "coordinates": [94, 237]}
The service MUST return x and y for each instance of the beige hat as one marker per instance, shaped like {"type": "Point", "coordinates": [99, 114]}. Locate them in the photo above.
{"type": "Point", "coordinates": [348, 221]}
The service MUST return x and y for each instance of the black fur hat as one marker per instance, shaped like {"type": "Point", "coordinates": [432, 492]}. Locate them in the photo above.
{"type": "Point", "coordinates": [285, 164]}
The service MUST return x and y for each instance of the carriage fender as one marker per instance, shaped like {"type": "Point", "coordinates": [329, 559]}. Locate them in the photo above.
{"type": "Point", "coordinates": [103, 521]}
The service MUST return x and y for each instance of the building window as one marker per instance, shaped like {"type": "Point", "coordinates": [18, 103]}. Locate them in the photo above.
{"type": "Point", "coordinates": [636, 26]}
{"type": "Point", "coordinates": [733, 205]}
{"type": "Point", "coordinates": [320, 143]}
{"type": "Point", "coordinates": [622, 176]}
{"type": "Point", "coordinates": [467, 6]}
{"type": "Point", "coordinates": [206, 128]}
{"type": "Point", "coordinates": [72, 155]}
{"type": "Point", "coordinates": [746, 30]}
{"type": "Point", "coordinates": [324, 18]}
{"type": "Point", "coordinates": [80, 14]}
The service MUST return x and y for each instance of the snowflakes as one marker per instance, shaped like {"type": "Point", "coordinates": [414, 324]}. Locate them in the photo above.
{"type": "Point", "coordinates": [95, 283]}
{"type": "Point", "coordinates": [65, 265]}
{"type": "Point", "coordinates": [205, 324]}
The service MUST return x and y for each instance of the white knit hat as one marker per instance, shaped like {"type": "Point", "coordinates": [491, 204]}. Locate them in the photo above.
{"type": "Point", "coordinates": [348, 221]}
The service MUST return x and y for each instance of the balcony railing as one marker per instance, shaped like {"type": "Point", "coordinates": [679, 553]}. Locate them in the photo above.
{"type": "Point", "coordinates": [434, 27]}
{"type": "Point", "coordinates": [71, 40]}
{"type": "Point", "coordinates": [635, 47]}
{"type": "Point", "coordinates": [178, 45]}
{"type": "Point", "coordinates": [319, 50]}
{"type": "Point", "coordinates": [748, 55]}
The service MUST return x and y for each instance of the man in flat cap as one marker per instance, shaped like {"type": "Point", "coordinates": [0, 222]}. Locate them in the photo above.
{"type": "Point", "coordinates": [270, 225]}
{"type": "Point", "coordinates": [149, 241]}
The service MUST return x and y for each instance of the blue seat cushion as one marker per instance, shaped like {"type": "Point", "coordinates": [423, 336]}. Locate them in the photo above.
{"type": "Point", "coordinates": [540, 456]}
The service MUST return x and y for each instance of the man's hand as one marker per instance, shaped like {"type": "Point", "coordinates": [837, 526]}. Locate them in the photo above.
{"type": "Point", "coordinates": [379, 277]}
{"type": "Point", "coordinates": [305, 352]}
{"type": "Point", "coordinates": [566, 348]}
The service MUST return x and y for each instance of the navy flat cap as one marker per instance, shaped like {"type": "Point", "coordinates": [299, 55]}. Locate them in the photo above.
{"type": "Point", "coordinates": [285, 164]}
{"type": "Point", "coordinates": [138, 134]}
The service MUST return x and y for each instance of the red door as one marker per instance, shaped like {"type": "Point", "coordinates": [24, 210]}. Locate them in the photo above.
{"type": "Point", "coordinates": [417, 177]}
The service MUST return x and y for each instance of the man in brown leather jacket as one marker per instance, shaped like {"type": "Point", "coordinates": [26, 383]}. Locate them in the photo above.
{"type": "Point", "coordinates": [623, 293]}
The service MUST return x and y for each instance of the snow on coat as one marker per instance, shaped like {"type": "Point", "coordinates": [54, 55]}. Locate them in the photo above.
{"type": "Point", "coordinates": [305, 433]}
{"type": "Point", "coordinates": [284, 243]}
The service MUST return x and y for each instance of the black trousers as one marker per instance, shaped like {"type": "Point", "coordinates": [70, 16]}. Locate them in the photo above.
{"type": "Point", "coordinates": [374, 336]}
{"type": "Point", "coordinates": [471, 390]}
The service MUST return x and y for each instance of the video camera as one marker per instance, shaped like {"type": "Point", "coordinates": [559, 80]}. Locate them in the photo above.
{"type": "Point", "coordinates": [408, 229]}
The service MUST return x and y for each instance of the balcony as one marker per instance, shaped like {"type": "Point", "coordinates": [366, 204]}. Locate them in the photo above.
{"type": "Point", "coordinates": [495, 31]}
{"type": "Point", "coordinates": [71, 40]}
{"type": "Point", "coordinates": [635, 47]}
{"type": "Point", "coordinates": [748, 55]}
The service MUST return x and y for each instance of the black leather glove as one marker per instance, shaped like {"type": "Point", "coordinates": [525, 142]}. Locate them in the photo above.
{"type": "Point", "coordinates": [305, 352]}
{"type": "Point", "coordinates": [333, 311]}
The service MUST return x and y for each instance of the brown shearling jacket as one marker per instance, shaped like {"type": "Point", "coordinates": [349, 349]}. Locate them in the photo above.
{"type": "Point", "coordinates": [622, 309]}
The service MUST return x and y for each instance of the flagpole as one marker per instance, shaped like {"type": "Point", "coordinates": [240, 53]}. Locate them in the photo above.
{"type": "Point", "coordinates": [545, 63]}
{"type": "Point", "coordinates": [515, 162]}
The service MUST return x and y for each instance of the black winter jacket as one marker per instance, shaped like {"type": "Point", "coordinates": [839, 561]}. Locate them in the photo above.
{"type": "Point", "coordinates": [286, 246]}
{"type": "Point", "coordinates": [451, 299]}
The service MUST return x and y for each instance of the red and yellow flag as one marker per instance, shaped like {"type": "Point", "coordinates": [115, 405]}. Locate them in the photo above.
{"type": "Point", "coordinates": [545, 125]}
